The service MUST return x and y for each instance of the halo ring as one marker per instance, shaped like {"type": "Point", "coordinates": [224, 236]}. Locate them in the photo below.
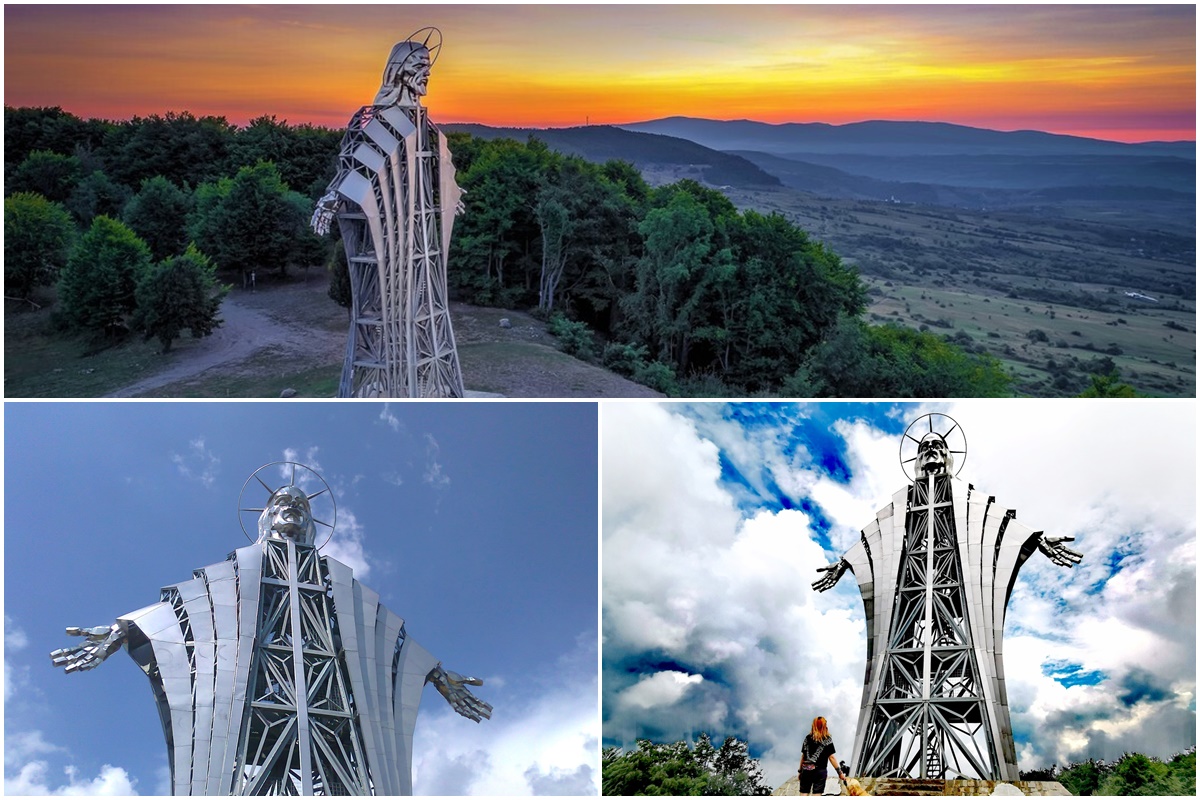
{"type": "Point", "coordinates": [429, 32]}
{"type": "Point", "coordinates": [943, 425]}
{"type": "Point", "coordinates": [243, 510]}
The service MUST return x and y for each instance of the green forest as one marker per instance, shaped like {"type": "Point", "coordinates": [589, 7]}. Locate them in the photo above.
{"type": "Point", "coordinates": [141, 225]}
{"type": "Point", "coordinates": [1133, 774]}
{"type": "Point", "coordinates": [683, 769]}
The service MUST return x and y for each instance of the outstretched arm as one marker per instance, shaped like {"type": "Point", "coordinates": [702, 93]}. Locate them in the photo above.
{"type": "Point", "coordinates": [98, 644]}
{"type": "Point", "coordinates": [1059, 553]}
{"type": "Point", "coordinates": [453, 687]}
{"type": "Point", "coordinates": [323, 215]}
{"type": "Point", "coordinates": [833, 574]}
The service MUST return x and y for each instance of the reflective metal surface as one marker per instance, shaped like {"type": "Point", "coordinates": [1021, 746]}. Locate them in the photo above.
{"type": "Point", "coordinates": [394, 199]}
{"type": "Point", "coordinates": [935, 570]}
{"type": "Point", "coordinates": [276, 672]}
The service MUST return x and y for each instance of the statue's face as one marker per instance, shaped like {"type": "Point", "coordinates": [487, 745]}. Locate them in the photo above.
{"type": "Point", "coordinates": [415, 73]}
{"type": "Point", "coordinates": [406, 76]}
{"type": "Point", "coordinates": [933, 456]}
{"type": "Point", "coordinates": [289, 514]}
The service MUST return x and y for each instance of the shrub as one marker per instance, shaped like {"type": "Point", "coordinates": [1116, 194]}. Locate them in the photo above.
{"type": "Point", "coordinates": [574, 338]}
{"type": "Point", "coordinates": [625, 359]}
{"type": "Point", "coordinates": [659, 377]}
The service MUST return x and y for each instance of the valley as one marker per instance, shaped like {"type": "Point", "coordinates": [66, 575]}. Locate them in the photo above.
{"type": "Point", "coordinates": [1044, 293]}
{"type": "Point", "coordinates": [1062, 257]}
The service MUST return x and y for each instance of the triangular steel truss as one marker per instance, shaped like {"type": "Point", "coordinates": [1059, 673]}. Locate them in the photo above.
{"type": "Point", "coordinates": [929, 717]}
{"type": "Point", "coordinates": [301, 736]}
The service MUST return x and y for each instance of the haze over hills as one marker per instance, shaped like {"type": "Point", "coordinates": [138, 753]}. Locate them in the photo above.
{"type": "Point", "coordinates": [888, 138]}
{"type": "Point", "coordinates": [934, 164]}
{"type": "Point", "coordinates": [647, 152]}
{"type": "Point", "coordinates": [948, 164]}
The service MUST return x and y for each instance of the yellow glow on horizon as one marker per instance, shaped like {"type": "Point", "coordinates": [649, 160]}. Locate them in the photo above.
{"type": "Point", "coordinates": [1061, 68]}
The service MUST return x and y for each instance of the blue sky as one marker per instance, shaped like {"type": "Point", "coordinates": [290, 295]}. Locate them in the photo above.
{"type": "Point", "coordinates": [716, 516]}
{"type": "Point", "coordinates": [476, 522]}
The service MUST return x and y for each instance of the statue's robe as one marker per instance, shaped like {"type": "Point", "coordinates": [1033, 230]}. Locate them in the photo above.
{"type": "Point", "coordinates": [991, 547]}
{"type": "Point", "coordinates": [219, 653]}
{"type": "Point", "coordinates": [399, 197]}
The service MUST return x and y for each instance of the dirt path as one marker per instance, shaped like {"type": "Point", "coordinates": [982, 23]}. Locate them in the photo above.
{"type": "Point", "coordinates": [297, 322]}
{"type": "Point", "coordinates": [244, 331]}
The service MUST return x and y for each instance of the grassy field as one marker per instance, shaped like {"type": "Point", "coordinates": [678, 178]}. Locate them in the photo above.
{"type": "Point", "coordinates": [993, 281]}
{"type": "Point", "coordinates": [266, 374]}
{"type": "Point", "coordinates": [38, 363]}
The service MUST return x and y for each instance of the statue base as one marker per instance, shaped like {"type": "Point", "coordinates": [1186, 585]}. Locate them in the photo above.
{"type": "Point", "coordinates": [916, 787]}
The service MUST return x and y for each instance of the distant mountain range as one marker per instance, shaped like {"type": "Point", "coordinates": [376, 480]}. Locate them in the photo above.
{"type": "Point", "coordinates": [600, 143]}
{"type": "Point", "coordinates": [883, 138]}
{"type": "Point", "coordinates": [911, 162]}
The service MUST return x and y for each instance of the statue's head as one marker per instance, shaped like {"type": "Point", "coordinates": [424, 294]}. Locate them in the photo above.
{"type": "Point", "coordinates": [933, 456]}
{"type": "Point", "coordinates": [288, 515]}
{"type": "Point", "coordinates": [406, 76]}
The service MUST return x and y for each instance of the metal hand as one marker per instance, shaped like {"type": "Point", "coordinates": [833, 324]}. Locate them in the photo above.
{"type": "Point", "coordinates": [1058, 552]}
{"type": "Point", "coordinates": [322, 216]}
{"type": "Point", "coordinates": [99, 643]}
{"type": "Point", "coordinates": [453, 687]}
{"type": "Point", "coordinates": [833, 574]}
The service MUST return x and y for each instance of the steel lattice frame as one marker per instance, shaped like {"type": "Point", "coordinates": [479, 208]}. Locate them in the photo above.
{"type": "Point", "coordinates": [275, 672]}
{"type": "Point", "coordinates": [935, 570]}
{"type": "Point", "coordinates": [930, 711]}
{"type": "Point", "coordinates": [396, 174]}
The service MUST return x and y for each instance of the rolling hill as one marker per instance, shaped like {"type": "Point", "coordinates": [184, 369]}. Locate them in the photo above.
{"type": "Point", "coordinates": [885, 138]}
{"type": "Point", "coordinates": [954, 165]}
{"type": "Point", "coordinates": [670, 157]}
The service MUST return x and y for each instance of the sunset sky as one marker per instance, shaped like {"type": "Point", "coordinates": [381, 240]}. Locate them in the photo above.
{"type": "Point", "coordinates": [1123, 73]}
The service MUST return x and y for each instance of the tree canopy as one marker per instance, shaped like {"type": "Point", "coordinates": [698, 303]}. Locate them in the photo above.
{"type": "Point", "coordinates": [37, 240]}
{"type": "Point", "coordinates": [98, 284]}
{"type": "Point", "coordinates": [1133, 774]}
{"type": "Point", "coordinates": [252, 222]}
{"type": "Point", "coordinates": [178, 294]}
{"type": "Point", "coordinates": [159, 213]}
{"type": "Point", "coordinates": [681, 770]}
{"type": "Point", "coordinates": [673, 284]}
{"type": "Point", "coordinates": [721, 300]}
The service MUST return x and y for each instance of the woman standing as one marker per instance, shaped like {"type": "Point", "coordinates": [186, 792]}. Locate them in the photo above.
{"type": "Point", "coordinates": [817, 748]}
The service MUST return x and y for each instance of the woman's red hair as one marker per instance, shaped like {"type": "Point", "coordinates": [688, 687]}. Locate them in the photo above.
{"type": "Point", "coordinates": [820, 729]}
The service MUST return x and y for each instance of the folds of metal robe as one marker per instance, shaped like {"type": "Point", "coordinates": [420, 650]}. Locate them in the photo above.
{"type": "Point", "coordinates": [400, 191]}
{"type": "Point", "coordinates": [386, 672]}
{"type": "Point", "coordinates": [156, 643]}
{"type": "Point", "coordinates": [198, 646]}
{"type": "Point", "coordinates": [415, 663]}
